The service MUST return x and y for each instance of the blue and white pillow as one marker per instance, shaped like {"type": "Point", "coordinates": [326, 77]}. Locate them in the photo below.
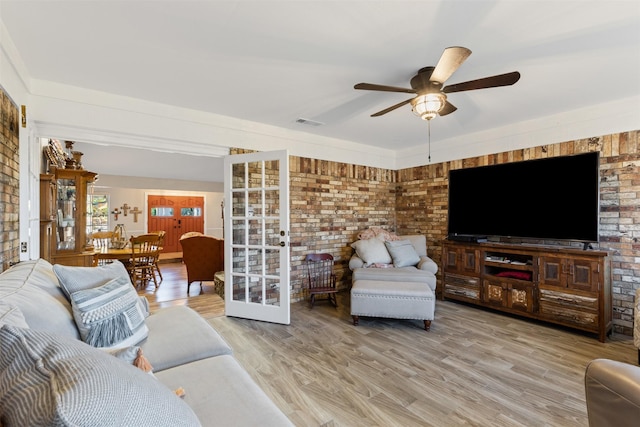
{"type": "Point", "coordinates": [110, 316]}
{"type": "Point", "coordinates": [74, 278]}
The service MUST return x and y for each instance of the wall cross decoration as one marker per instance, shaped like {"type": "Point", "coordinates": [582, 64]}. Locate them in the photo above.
{"type": "Point", "coordinates": [125, 209]}
{"type": "Point", "coordinates": [135, 211]}
{"type": "Point", "coordinates": [116, 212]}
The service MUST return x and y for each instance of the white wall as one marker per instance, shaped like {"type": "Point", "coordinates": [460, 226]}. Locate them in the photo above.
{"type": "Point", "coordinates": [134, 191]}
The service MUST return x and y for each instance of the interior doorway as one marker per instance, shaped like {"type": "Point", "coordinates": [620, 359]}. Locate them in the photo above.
{"type": "Point", "coordinates": [175, 215]}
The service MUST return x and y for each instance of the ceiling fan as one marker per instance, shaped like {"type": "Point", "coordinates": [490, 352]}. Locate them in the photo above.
{"type": "Point", "coordinates": [431, 96]}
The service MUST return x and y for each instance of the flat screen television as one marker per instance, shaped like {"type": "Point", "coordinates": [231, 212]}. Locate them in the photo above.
{"type": "Point", "coordinates": [555, 198]}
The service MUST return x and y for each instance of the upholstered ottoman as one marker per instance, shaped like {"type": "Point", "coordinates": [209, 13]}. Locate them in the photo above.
{"type": "Point", "coordinates": [397, 300]}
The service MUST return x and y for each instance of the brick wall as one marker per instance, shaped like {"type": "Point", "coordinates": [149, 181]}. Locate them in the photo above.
{"type": "Point", "coordinates": [422, 206]}
{"type": "Point", "coordinates": [9, 181]}
{"type": "Point", "coordinates": [331, 202]}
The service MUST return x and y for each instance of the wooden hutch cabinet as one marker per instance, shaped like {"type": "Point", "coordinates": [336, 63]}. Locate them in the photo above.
{"type": "Point", "coordinates": [64, 215]}
{"type": "Point", "coordinates": [565, 286]}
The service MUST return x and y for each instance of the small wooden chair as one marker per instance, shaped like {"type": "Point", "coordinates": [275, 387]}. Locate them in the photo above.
{"type": "Point", "coordinates": [320, 277]}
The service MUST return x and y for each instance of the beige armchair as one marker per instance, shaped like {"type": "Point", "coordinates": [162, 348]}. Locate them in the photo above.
{"type": "Point", "coordinates": [203, 256]}
{"type": "Point", "coordinates": [612, 392]}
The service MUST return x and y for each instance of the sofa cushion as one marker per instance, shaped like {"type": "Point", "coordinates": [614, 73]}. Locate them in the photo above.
{"type": "Point", "coordinates": [110, 315]}
{"type": "Point", "coordinates": [74, 279]}
{"type": "Point", "coordinates": [48, 379]}
{"type": "Point", "coordinates": [11, 315]}
{"type": "Point", "coordinates": [402, 253]}
{"type": "Point", "coordinates": [220, 390]}
{"type": "Point", "coordinates": [179, 335]}
{"type": "Point", "coordinates": [372, 251]}
{"type": "Point", "coordinates": [419, 242]}
{"type": "Point", "coordinates": [403, 274]}
{"type": "Point", "coordinates": [31, 286]}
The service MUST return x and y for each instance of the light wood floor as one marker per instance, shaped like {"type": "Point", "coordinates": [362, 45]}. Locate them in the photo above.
{"type": "Point", "coordinates": [474, 368]}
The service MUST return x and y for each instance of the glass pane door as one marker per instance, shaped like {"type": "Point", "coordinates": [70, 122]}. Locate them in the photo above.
{"type": "Point", "coordinates": [257, 236]}
{"type": "Point", "coordinates": [66, 202]}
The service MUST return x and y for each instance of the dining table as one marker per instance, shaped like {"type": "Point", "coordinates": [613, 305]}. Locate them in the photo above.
{"type": "Point", "coordinates": [110, 253]}
{"type": "Point", "coordinates": [104, 253]}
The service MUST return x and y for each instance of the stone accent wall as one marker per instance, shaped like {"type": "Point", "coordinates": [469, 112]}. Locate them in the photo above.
{"type": "Point", "coordinates": [9, 182]}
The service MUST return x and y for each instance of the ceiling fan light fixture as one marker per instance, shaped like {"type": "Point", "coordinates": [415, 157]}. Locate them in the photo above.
{"type": "Point", "coordinates": [429, 105]}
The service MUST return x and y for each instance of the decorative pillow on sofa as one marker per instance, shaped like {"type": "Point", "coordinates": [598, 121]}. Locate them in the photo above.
{"type": "Point", "coordinates": [403, 253]}
{"type": "Point", "coordinates": [48, 379]}
{"type": "Point", "coordinates": [109, 316]}
{"type": "Point", "coordinates": [11, 315]}
{"type": "Point", "coordinates": [74, 279]}
{"type": "Point", "coordinates": [371, 251]}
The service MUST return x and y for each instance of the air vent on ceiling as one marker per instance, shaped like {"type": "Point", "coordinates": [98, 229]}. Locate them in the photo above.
{"type": "Point", "coordinates": [308, 122]}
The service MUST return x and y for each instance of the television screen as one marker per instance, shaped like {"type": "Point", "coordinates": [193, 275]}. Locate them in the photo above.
{"type": "Point", "coordinates": [554, 198]}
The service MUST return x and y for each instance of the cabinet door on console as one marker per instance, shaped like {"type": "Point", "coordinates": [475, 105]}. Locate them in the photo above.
{"type": "Point", "coordinates": [574, 273]}
{"type": "Point", "coordinates": [521, 297]}
{"type": "Point", "coordinates": [494, 293]}
{"type": "Point", "coordinates": [553, 271]}
{"type": "Point", "coordinates": [508, 294]}
{"type": "Point", "coordinates": [462, 260]}
{"type": "Point", "coordinates": [584, 274]}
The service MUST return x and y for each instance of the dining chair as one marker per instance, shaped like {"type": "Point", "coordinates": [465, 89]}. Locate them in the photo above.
{"type": "Point", "coordinates": [102, 240]}
{"type": "Point", "coordinates": [320, 277]}
{"type": "Point", "coordinates": [160, 243]}
{"type": "Point", "coordinates": [144, 250]}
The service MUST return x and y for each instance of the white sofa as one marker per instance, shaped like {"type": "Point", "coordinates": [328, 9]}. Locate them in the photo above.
{"type": "Point", "coordinates": [73, 383]}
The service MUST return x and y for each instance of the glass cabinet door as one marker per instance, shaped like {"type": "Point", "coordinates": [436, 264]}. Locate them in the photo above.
{"type": "Point", "coordinates": [66, 202]}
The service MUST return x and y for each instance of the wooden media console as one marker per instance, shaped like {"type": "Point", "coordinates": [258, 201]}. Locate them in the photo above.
{"type": "Point", "coordinates": [565, 286]}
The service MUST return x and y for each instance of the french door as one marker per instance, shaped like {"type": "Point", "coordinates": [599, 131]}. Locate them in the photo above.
{"type": "Point", "coordinates": [256, 224]}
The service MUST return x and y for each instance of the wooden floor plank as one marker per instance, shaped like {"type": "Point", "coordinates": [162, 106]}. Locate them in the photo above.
{"type": "Point", "coordinates": [473, 368]}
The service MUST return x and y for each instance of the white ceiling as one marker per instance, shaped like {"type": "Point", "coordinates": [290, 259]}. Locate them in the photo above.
{"type": "Point", "coordinates": [273, 62]}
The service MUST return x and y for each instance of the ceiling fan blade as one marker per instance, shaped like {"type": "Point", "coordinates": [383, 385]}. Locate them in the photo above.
{"type": "Point", "coordinates": [494, 81]}
{"type": "Point", "coordinates": [451, 59]}
{"type": "Point", "coordinates": [447, 109]}
{"type": "Point", "coordinates": [393, 107]}
{"type": "Point", "coordinates": [371, 86]}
